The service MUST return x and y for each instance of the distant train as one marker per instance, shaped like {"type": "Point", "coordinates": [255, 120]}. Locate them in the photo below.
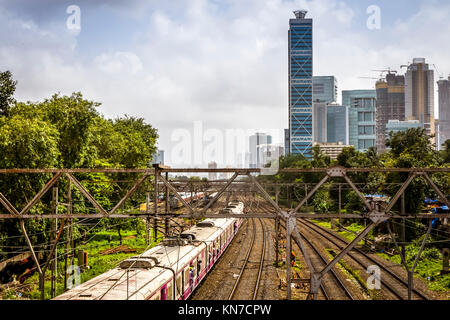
{"type": "Point", "coordinates": [189, 197]}
{"type": "Point", "coordinates": [174, 202]}
{"type": "Point", "coordinates": [169, 271]}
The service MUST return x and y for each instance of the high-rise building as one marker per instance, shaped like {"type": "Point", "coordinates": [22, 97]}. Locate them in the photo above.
{"type": "Point", "coordinates": [337, 123]}
{"type": "Point", "coordinates": [158, 157]}
{"type": "Point", "coordinates": [362, 117]}
{"type": "Point", "coordinates": [212, 175]}
{"type": "Point", "coordinates": [269, 153]}
{"type": "Point", "coordinates": [419, 94]}
{"type": "Point", "coordinates": [390, 105]}
{"type": "Point", "coordinates": [325, 89]}
{"type": "Point", "coordinates": [300, 37]}
{"type": "Point", "coordinates": [443, 132]}
{"type": "Point", "coordinates": [320, 121]}
{"type": "Point", "coordinates": [254, 141]}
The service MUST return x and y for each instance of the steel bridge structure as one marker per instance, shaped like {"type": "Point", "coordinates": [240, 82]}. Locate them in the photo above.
{"type": "Point", "coordinates": [243, 181]}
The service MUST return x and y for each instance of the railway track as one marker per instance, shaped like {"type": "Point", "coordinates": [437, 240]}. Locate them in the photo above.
{"type": "Point", "coordinates": [239, 291]}
{"type": "Point", "coordinates": [333, 288]}
{"type": "Point", "coordinates": [391, 282]}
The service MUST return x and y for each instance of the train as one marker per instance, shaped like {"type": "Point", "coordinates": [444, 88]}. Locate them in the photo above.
{"type": "Point", "coordinates": [174, 202]}
{"type": "Point", "coordinates": [171, 270]}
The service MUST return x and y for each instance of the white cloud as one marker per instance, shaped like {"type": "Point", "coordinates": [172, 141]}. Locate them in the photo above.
{"type": "Point", "coordinates": [224, 63]}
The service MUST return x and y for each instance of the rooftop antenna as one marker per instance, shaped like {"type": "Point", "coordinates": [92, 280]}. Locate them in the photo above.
{"type": "Point", "coordinates": [300, 14]}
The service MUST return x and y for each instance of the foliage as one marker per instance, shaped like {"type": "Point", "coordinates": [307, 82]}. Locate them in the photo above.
{"type": "Point", "coordinates": [7, 89]}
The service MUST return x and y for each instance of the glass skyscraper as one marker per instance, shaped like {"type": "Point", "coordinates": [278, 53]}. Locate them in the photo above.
{"type": "Point", "coordinates": [300, 84]}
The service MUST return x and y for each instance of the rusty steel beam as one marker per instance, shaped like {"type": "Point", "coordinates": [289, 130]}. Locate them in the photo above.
{"type": "Point", "coordinates": [211, 202]}
{"type": "Point", "coordinates": [242, 171]}
{"type": "Point", "coordinates": [175, 192]}
{"type": "Point", "coordinates": [400, 191]}
{"type": "Point", "coordinates": [4, 201]}
{"type": "Point", "coordinates": [86, 194]}
{"type": "Point", "coordinates": [324, 179]}
{"type": "Point", "coordinates": [39, 195]}
{"type": "Point", "coordinates": [129, 193]}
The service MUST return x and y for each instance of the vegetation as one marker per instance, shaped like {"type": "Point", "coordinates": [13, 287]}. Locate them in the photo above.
{"type": "Point", "coordinates": [67, 132]}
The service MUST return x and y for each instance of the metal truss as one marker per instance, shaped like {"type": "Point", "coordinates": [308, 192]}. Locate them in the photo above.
{"type": "Point", "coordinates": [249, 185]}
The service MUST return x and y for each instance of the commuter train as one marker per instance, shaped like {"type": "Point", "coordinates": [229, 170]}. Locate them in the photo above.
{"type": "Point", "coordinates": [174, 202]}
{"type": "Point", "coordinates": [169, 271]}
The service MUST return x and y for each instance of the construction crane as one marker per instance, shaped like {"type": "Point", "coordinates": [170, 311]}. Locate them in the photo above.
{"type": "Point", "coordinates": [388, 70]}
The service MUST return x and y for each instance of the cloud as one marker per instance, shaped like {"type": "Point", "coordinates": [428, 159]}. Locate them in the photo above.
{"type": "Point", "coordinates": [221, 62]}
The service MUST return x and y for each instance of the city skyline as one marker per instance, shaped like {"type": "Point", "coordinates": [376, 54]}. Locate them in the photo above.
{"type": "Point", "coordinates": [151, 59]}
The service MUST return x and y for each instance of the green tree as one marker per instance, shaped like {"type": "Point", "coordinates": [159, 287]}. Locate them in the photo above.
{"type": "Point", "coordinates": [7, 89]}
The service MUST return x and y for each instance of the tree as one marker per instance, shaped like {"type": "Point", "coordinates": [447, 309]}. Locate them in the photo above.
{"type": "Point", "coordinates": [7, 89]}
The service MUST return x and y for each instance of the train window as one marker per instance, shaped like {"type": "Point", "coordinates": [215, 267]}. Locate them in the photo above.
{"type": "Point", "coordinates": [169, 291]}
{"type": "Point", "coordinates": [186, 277]}
{"type": "Point", "coordinates": [163, 293]}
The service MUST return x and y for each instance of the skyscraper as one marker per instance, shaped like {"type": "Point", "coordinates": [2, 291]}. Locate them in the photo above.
{"type": "Point", "coordinates": [443, 133]}
{"type": "Point", "coordinates": [419, 94]}
{"type": "Point", "coordinates": [390, 105]}
{"type": "Point", "coordinates": [362, 117]}
{"type": "Point", "coordinates": [300, 37]}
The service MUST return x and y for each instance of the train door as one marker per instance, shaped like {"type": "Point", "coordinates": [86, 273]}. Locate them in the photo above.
{"type": "Point", "coordinates": [169, 292]}
{"type": "Point", "coordinates": [163, 293]}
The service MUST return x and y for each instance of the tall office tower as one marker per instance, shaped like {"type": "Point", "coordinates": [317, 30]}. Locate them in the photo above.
{"type": "Point", "coordinates": [212, 175]}
{"type": "Point", "coordinates": [325, 89]}
{"type": "Point", "coordinates": [337, 123]}
{"type": "Point", "coordinates": [254, 141]}
{"type": "Point", "coordinates": [287, 142]}
{"type": "Point", "coordinates": [320, 121]}
{"type": "Point", "coordinates": [419, 94]}
{"type": "Point", "coordinates": [443, 133]}
{"type": "Point", "coordinates": [390, 105]}
{"type": "Point", "coordinates": [362, 117]}
{"type": "Point", "coordinates": [300, 46]}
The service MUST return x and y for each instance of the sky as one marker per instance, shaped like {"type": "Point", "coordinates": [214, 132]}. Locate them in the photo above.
{"type": "Point", "coordinates": [205, 71]}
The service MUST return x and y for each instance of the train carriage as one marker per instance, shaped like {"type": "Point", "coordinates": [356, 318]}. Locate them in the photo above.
{"type": "Point", "coordinates": [170, 270]}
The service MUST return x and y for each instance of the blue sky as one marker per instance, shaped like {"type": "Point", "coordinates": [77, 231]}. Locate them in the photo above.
{"type": "Point", "coordinates": [223, 63]}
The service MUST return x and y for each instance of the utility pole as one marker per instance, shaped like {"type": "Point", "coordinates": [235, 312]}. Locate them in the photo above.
{"type": "Point", "coordinates": [55, 261]}
{"type": "Point", "coordinates": [166, 204]}
{"type": "Point", "coordinates": [147, 220]}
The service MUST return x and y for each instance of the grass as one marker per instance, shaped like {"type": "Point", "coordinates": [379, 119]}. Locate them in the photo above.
{"type": "Point", "coordinates": [97, 263]}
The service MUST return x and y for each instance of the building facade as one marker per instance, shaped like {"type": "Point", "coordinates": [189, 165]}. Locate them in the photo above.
{"type": "Point", "coordinates": [212, 175]}
{"type": "Point", "coordinates": [443, 132]}
{"type": "Point", "coordinates": [158, 157]}
{"type": "Point", "coordinates": [419, 94]}
{"type": "Point", "coordinates": [325, 89]}
{"type": "Point", "coordinates": [362, 117]}
{"type": "Point", "coordinates": [320, 121]}
{"type": "Point", "coordinates": [300, 47]}
{"type": "Point", "coordinates": [390, 105]}
{"type": "Point", "coordinates": [395, 126]}
{"type": "Point", "coordinates": [337, 123]}
{"type": "Point", "coordinates": [254, 141]}
{"type": "Point", "coordinates": [332, 149]}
